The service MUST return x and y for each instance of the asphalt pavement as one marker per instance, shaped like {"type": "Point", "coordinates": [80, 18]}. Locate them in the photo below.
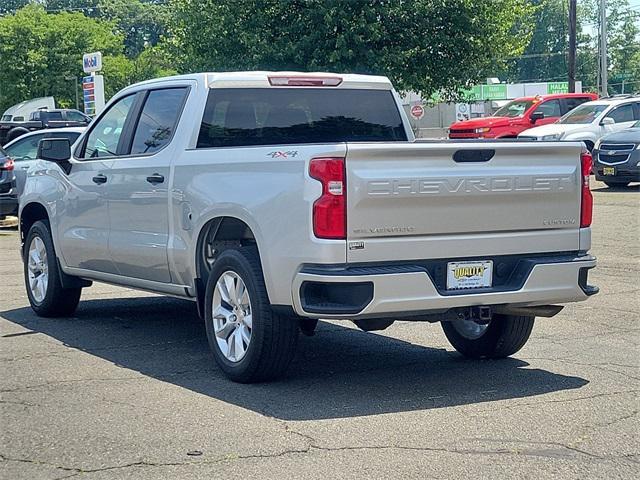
{"type": "Point", "coordinates": [127, 389]}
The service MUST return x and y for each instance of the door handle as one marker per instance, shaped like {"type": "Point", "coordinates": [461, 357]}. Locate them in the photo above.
{"type": "Point", "coordinates": [99, 179]}
{"type": "Point", "coordinates": [155, 178]}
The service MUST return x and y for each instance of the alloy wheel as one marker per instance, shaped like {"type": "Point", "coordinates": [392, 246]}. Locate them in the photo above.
{"type": "Point", "coordinates": [38, 269]}
{"type": "Point", "coordinates": [232, 316]}
{"type": "Point", "coordinates": [470, 329]}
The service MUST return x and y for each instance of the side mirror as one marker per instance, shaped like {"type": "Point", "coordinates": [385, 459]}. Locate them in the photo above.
{"type": "Point", "coordinates": [535, 116]}
{"type": "Point", "coordinates": [608, 121]}
{"type": "Point", "coordinates": [56, 150]}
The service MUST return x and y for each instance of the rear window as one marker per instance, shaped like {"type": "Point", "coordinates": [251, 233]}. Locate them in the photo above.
{"type": "Point", "coordinates": [277, 116]}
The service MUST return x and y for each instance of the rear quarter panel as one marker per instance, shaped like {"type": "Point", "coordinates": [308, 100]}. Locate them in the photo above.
{"type": "Point", "coordinates": [272, 194]}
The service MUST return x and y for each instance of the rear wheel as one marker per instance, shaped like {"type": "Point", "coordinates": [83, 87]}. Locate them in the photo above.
{"type": "Point", "coordinates": [500, 337]}
{"type": "Point", "coordinates": [42, 278]}
{"type": "Point", "coordinates": [250, 342]}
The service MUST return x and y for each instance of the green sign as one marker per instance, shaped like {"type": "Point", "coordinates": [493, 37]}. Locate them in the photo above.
{"type": "Point", "coordinates": [494, 92]}
{"type": "Point", "coordinates": [473, 94]}
{"type": "Point", "coordinates": [558, 87]}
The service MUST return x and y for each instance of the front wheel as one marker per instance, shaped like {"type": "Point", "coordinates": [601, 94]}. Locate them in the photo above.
{"type": "Point", "coordinates": [42, 278]}
{"type": "Point", "coordinates": [250, 342]}
{"type": "Point", "coordinates": [500, 337]}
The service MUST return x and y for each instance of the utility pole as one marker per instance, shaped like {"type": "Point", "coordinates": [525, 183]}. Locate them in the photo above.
{"type": "Point", "coordinates": [572, 46]}
{"type": "Point", "coordinates": [603, 48]}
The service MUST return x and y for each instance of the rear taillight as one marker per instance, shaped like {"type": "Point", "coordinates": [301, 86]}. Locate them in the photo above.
{"type": "Point", "coordinates": [304, 81]}
{"type": "Point", "coordinates": [586, 208]}
{"type": "Point", "coordinates": [7, 165]}
{"type": "Point", "coordinates": [330, 210]}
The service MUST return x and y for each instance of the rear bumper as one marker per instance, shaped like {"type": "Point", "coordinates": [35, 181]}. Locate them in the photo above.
{"type": "Point", "coordinates": [411, 290]}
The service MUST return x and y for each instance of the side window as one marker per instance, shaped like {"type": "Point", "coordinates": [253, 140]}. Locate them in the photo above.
{"type": "Point", "coordinates": [550, 108]}
{"type": "Point", "coordinates": [573, 102]}
{"type": "Point", "coordinates": [624, 113]}
{"type": "Point", "coordinates": [158, 120]}
{"type": "Point", "coordinates": [25, 149]}
{"type": "Point", "coordinates": [105, 135]}
{"type": "Point", "coordinates": [76, 117]}
{"type": "Point", "coordinates": [51, 116]}
{"type": "Point", "coordinates": [71, 136]}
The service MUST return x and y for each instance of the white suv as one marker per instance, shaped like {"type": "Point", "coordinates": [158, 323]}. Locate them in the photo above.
{"type": "Point", "coordinates": [590, 121]}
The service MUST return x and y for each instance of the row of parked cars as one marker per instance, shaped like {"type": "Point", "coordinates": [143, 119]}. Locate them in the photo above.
{"type": "Point", "coordinates": [609, 127]}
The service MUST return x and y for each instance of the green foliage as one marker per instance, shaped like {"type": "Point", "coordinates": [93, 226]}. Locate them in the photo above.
{"type": "Point", "coordinates": [41, 53]}
{"type": "Point", "coordinates": [545, 57]}
{"type": "Point", "coordinates": [141, 23]}
{"type": "Point", "coordinates": [38, 50]}
{"type": "Point", "coordinates": [422, 45]}
{"type": "Point", "coordinates": [8, 6]}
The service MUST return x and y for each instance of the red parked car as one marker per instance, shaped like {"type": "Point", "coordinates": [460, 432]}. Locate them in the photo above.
{"type": "Point", "coordinates": [520, 114]}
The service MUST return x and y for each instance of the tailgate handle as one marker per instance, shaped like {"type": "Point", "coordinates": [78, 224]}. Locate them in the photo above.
{"type": "Point", "coordinates": [483, 155]}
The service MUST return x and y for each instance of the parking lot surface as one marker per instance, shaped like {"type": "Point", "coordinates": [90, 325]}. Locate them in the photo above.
{"type": "Point", "coordinates": [127, 389]}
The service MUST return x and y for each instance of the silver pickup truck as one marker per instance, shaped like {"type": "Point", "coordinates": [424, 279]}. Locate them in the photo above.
{"type": "Point", "coordinates": [274, 199]}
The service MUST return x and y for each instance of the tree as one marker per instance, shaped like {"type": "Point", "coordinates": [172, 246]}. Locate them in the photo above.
{"type": "Point", "coordinates": [38, 50]}
{"type": "Point", "coordinates": [544, 57]}
{"type": "Point", "coordinates": [423, 45]}
{"type": "Point", "coordinates": [142, 24]}
{"type": "Point", "coordinates": [9, 6]}
{"type": "Point", "coordinates": [624, 49]}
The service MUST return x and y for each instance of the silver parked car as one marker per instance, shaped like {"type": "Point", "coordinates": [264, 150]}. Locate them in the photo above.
{"type": "Point", "coordinates": [23, 150]}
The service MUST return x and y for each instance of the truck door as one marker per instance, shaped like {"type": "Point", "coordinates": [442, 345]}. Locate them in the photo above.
{"type": "Point", "coordinates": [83, 217]}
{"type": "Point", "coordinates": [138, 190]}
{"type": "Point", "coordinates": [551, 111]}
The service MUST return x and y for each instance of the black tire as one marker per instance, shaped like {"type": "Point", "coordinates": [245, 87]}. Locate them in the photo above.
{"type": "Point", "coordinates": [57, 301]}
{"type": "Point", "coordinates": [273, 337]}
{"type": "Point", "coordinates": [616, 184]}
{"type": "Point", "coordinates": [504, 336]}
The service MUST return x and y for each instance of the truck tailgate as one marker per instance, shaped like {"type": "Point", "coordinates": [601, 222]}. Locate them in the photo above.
{"type": "Point", "coordinates": [444, 200]}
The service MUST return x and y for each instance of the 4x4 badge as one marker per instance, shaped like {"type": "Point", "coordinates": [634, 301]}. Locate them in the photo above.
{"type": "Point", "coordinates": [278, 154]}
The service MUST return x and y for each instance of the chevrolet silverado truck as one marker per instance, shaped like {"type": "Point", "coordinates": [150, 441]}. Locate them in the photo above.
{"type": "Point", "coordinates": [272, 200]}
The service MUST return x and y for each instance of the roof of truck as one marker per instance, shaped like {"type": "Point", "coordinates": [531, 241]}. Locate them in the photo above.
{"type": "Point", "coordinates": [261, 79]}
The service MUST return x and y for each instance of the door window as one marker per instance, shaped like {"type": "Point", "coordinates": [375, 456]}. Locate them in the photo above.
{"type": "Point", "coordinates": [158, 120]}
{"type": "Point", "coordinates": [623, 113]}
{"type": "Point", "coordinates": [550, 108]}
{"type": "Point", "coordinates": [77, 117]}
{"type": "Point", "coordinates": [26, 148]}
{"type": "Point", "coordinates": [104, 137]}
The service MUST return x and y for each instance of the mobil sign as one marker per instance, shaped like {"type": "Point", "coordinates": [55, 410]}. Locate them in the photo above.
{"type": "Point", "coordinates": [92, 62]}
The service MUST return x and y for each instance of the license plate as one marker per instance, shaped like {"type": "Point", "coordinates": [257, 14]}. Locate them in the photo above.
{"type": "Point", "coordinates": [462, 275]}
{"type": "Point", "coordinates": [609, 171]}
